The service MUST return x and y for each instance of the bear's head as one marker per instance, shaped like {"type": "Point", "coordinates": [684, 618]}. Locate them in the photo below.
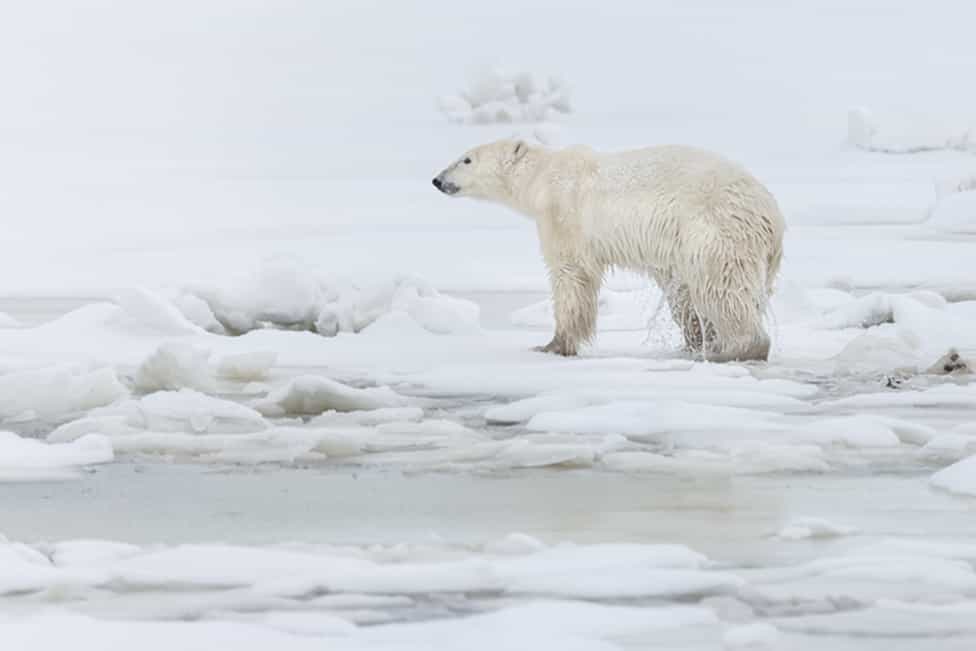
{"type": "Point", "coordinates": [484, 172]}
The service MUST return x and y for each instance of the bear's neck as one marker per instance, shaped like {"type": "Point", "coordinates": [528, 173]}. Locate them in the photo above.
{"type": "Point", "coordinates": [528, 189]}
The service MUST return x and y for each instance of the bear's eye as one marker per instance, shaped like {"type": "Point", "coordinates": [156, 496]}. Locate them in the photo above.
{"type": "Point", "coordinates": [467, 161]}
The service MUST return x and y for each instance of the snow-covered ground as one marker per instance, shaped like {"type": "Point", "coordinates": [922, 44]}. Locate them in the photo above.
{"type": "Point", "coordinates": [261, 385]}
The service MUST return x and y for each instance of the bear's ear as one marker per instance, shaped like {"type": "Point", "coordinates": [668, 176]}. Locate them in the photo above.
{"type": "Point", "coordinates": [520, 149]}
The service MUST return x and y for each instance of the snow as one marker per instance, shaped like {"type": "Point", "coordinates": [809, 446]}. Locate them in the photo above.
{"type": "Point", "coordinates": [310, 395]}
{"type": "Point", "coordinates": [806, 528]}
{"type": "Point", "coordinates": [959, 478]}
{"type": "Point", "coordinates": [28, 459]}
{"type": "Point", "coordinates": [752, 636]}
{"type": "Point", "coordinates": [175, 365]}
{"type": "Point", "coordinates": [956, 213]}
{"type": "Point", "coordinates": [285, 293]}
{"type": "Point", "coordinates": [562, 625]}
{"type": "Point", "coordinates": [152, 311]}
{"type": "Point", "coordinates": [7, 321]}
{"type": "Point", "coordinates": [645, 420]}
{"type": "Point", "coordinates": [56, 391]}
{"type": "Point", "coordinates": [617, 310]}
{"type": "Point", "coordinates": [183, 411]}
{"type": "Point", "coordinates": [367, 597]}
{"type": "Point", "coordinates": [246, 367]}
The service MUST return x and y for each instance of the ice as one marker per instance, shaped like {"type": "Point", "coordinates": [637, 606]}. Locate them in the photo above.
{"type": "Point", "coordinates": [806, 528]}
{"type": "Point", "coordinates": [956, 212]}
{"type": "Point", "coordinates": [950, 446]}
{"type": "Point", "coordinates": [654, 570]}
{"type": "Point", "coordinates": [646, 420]}
{"type": "Point", "coordinates": [313, 394]}
{"type": "Point", "coordinates": [496, 95]}
{"type": "Point", "coordinates": [959, 478]}
{"type": "Point", "coordinates": [877, 308]}
{"type": "Point", "coordinates": [183, 411]}
{"type": "Point", "coordinates": [286, 293]}
{"type": "Point", "coordinates": [861, 128]}
{"type": "Point", "coordinates": [56, 391]}
{"type": "Point", "coordinates": [937, 396]}
{"type": "Point", "coordinates": [30, 459]}
{"type": "Point", "coordinates": [515, 543]}
{"type": "Point", "coordinates": [176, 365]}
{"type": "Point", "coordinates": [752, 636]}
{"type": "Point", "coordinates": [370, 578]}
{"type": "Point", "coordinates": [552, 624]}
{"type": "Point", "coordinates": [246, 367]}
{"type": "Point", "coordinates": [523, 410]}
{"type": "Point", "coordinates": [891, 619]}
{"type": "Point", "coordinates": [369, 417]}
{"type": "Point", "coordinates": [851, 431]}
{"type": "Point", "coordinates": [314, 624]}
{"type": "Point", "coordinates": [197, 312]}
{"type": "Point", "coordinates": [153, 311]}
{"type": "Point", "coordinates": [617, 310]}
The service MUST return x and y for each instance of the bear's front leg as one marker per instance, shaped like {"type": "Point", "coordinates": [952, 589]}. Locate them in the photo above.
{"type": "Point", "coordinates": [575, 291]}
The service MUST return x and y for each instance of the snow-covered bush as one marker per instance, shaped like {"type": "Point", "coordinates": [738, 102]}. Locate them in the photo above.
{"type": "Point", "coordinates": [495, 95]}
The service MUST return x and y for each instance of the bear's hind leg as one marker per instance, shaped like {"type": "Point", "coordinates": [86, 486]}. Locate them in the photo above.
{"type": "Point", "coordinates": [575, 292]}
{"type": "Point", "coordinates": [691, 322]}
{"type": "Point", "coordinates": [740, 335]}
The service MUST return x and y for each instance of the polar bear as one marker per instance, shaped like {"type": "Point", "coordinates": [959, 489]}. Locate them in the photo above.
{"type": "Point", "coordinates": [701, 226]}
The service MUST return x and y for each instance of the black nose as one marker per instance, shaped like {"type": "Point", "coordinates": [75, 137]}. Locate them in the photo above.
{"type": "Point", "coordinates": [437, 183]}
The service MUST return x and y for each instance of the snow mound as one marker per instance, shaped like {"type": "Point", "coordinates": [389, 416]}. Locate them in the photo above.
{"type": "Point", "coordinates": [54, 391]}
{"type": "Point", "coordinates": [190, 411]}
{"type": "Point", "coordinates": [246, 367]}
{"type": "Point", "coordinates": [166, 412]}
{"type": "Point", "coordinates": [495, 95]}
{"type": "Point", "coordinates": [175, 365]}
{"type": "Point", "coordinates": [959, 478]}
{"type": "Point", "coordinates": [312, 395]}
{"type": "Point", "coordinates": [282, 293]}
{"type": "Point", "coordinates": [22, 458]}
{"type": "Point", "coordinates": [154, 312]}
{"type": "Point", "coordinates": [956, 212]}
{"type": "Point", "coordinates": [878, 308]}
{"type": "Point", "coordinates": [909, 135]}
{"type": "Point", "coordinates": [807, 528]}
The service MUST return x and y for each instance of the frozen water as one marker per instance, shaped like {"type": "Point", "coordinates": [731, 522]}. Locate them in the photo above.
{"type": "Point", "coordinates": [28, 459]}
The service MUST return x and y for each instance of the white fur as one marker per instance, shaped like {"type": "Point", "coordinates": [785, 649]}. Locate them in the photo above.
{"type": "Point", "coordinates": [701, 226]}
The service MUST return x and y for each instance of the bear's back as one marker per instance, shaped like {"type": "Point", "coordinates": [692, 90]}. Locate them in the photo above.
{"type": "Point", "coordinates": [674, 166]}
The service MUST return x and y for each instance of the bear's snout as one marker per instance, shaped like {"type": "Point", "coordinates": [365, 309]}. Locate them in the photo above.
{"type": "Point", "coordinates": [445, 186]}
